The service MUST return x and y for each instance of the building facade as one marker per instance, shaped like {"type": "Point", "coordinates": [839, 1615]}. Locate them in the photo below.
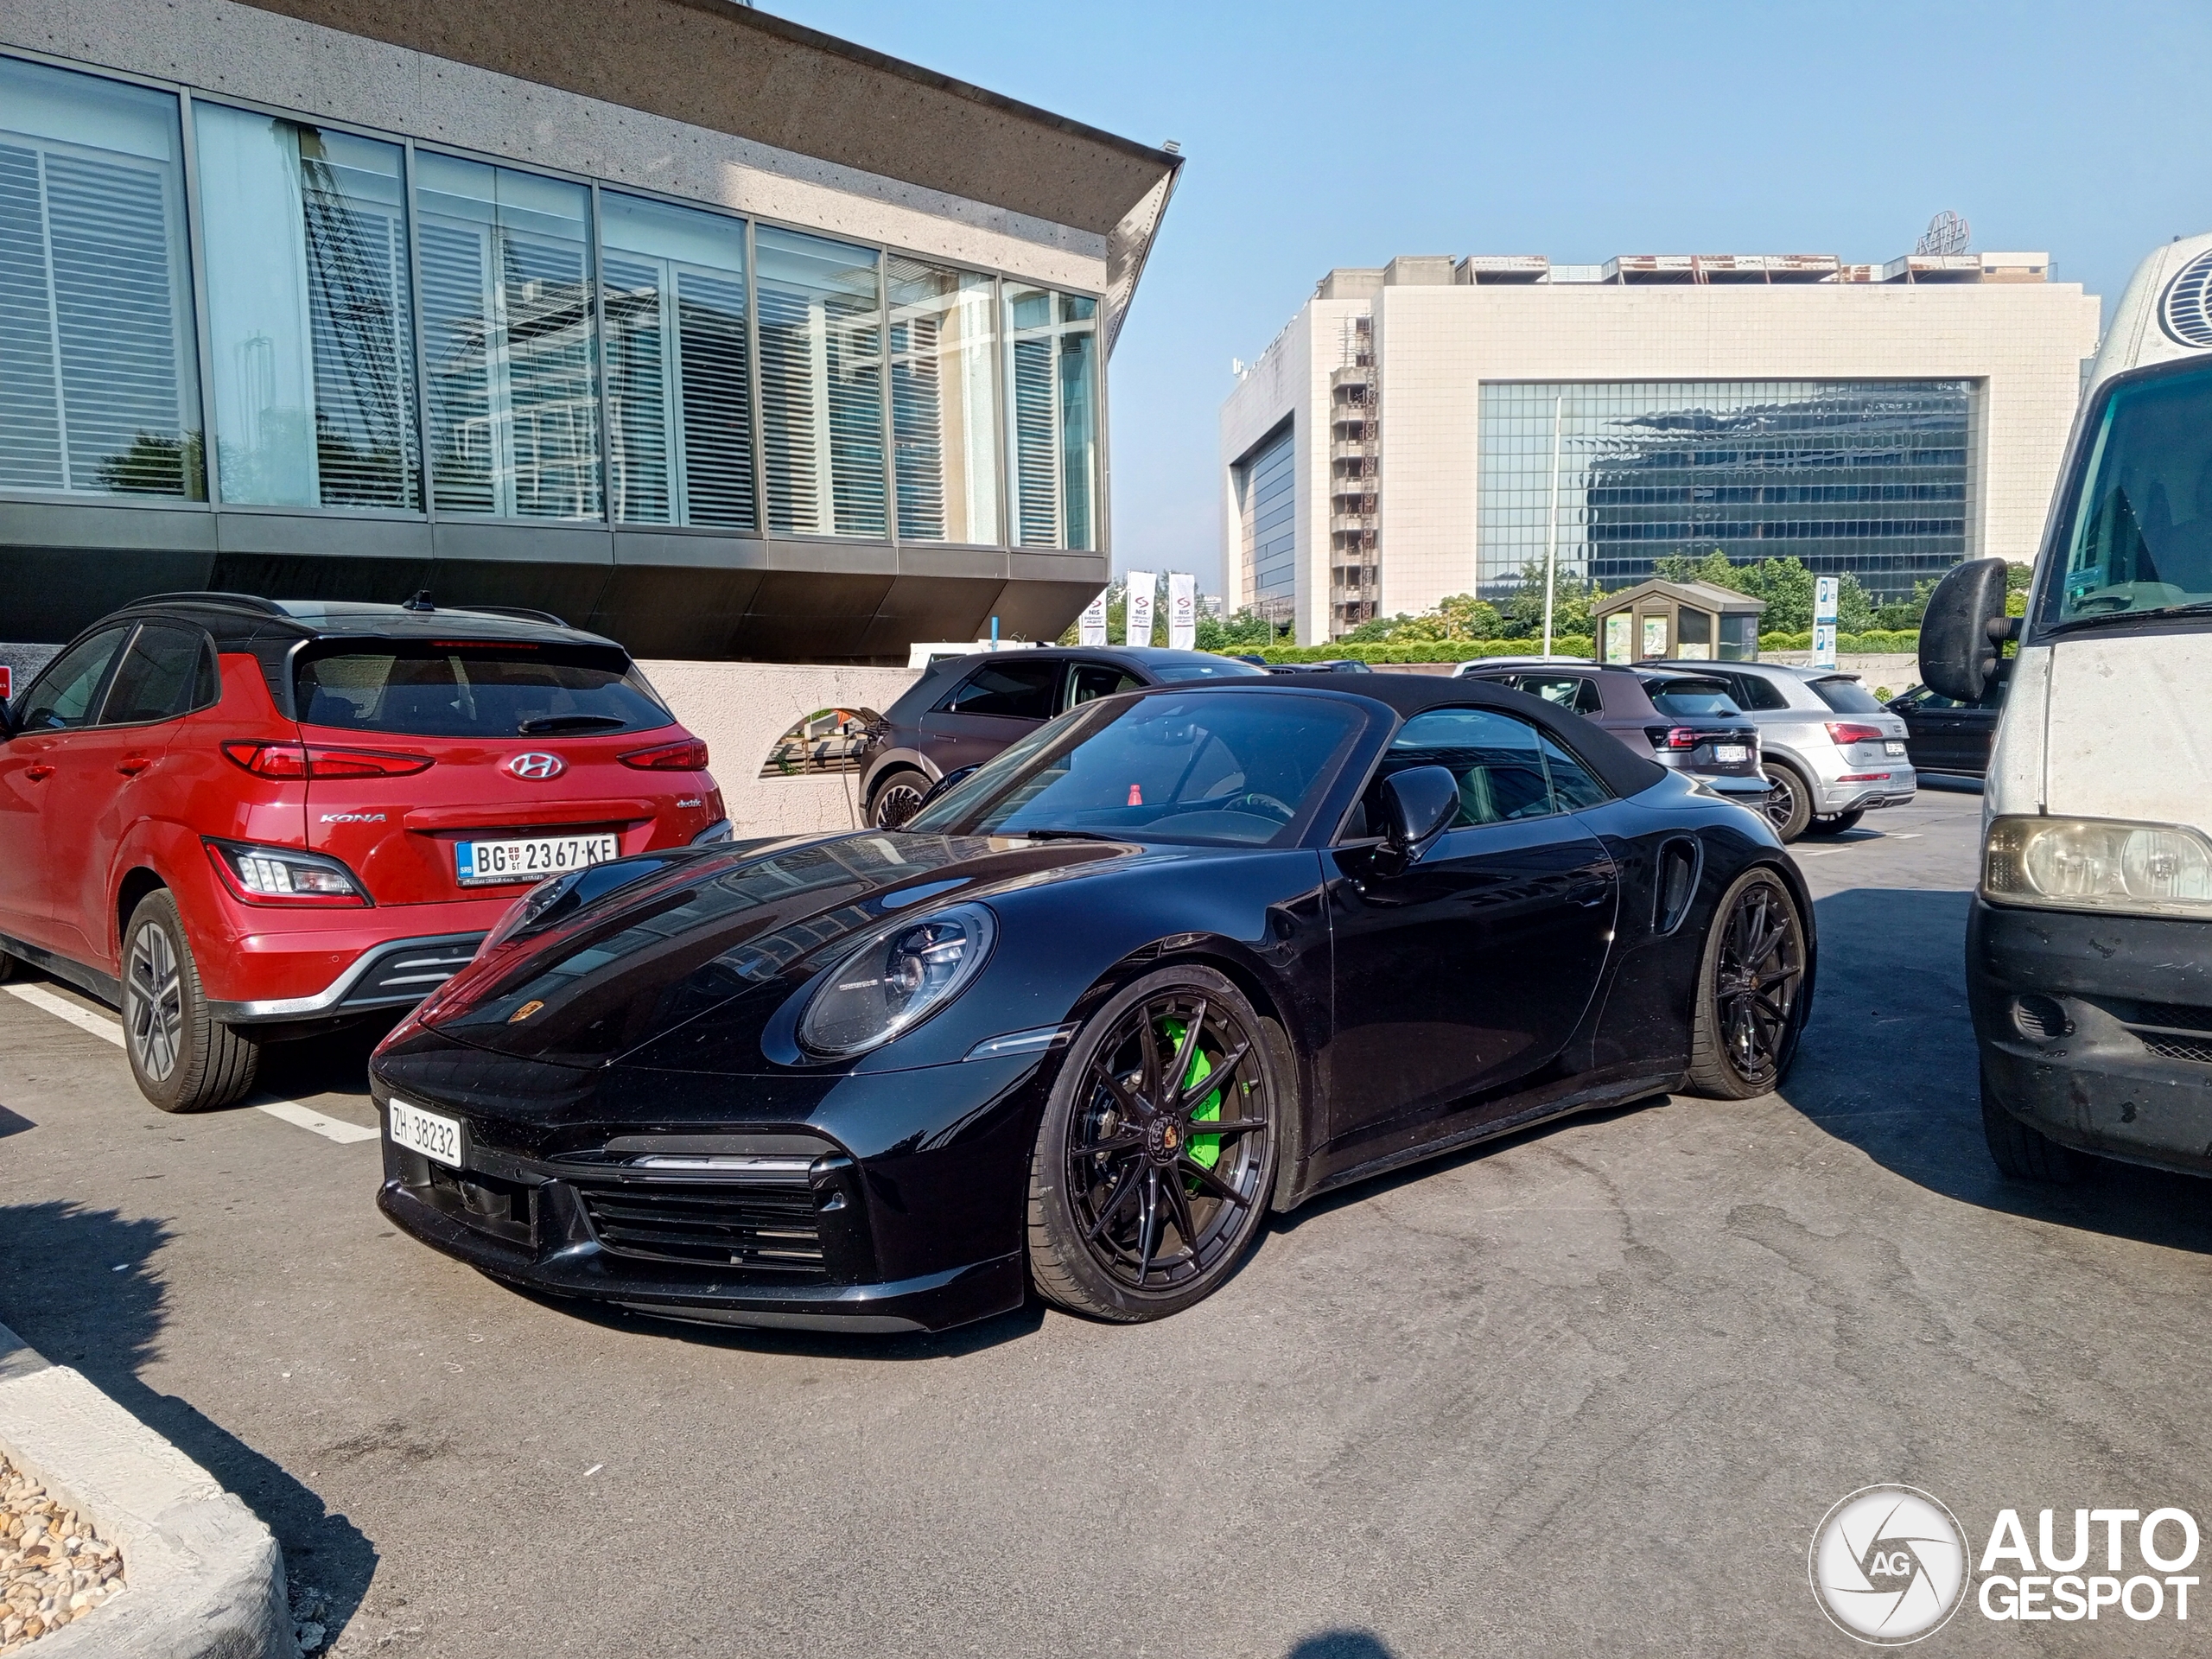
{"type": "Point", "coordinates": [1437, 426]}
{"type": "Point", "coordinates": [689, 324]}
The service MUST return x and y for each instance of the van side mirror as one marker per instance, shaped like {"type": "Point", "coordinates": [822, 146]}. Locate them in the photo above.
{"type": "Point", "coordinates": [1417, 806]}
{"type": "Point", "coordinates": [1963, 635]}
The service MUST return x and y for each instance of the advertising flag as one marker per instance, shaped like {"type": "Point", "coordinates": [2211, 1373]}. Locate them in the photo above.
{"type": "Point", "coordinates": [1136, 625]}
{"type": "Point", "coordinates": [1182, 611]}
{"type": "Point", "coordinates": [1825, 593]}
{"type": "Point", "coordinates": [1093, 625]}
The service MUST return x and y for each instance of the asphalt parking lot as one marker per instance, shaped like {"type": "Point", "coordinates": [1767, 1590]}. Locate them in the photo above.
{"type": "Point", "coordinates": [1587, 1390]}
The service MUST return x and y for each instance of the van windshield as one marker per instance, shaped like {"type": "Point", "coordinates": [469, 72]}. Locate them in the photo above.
{"type": "Point", "coordinates": [451, 689]}
{"type": "Point", "coordinates": [2140, 539]}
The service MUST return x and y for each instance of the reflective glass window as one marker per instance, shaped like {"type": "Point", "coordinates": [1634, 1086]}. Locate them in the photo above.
{"type": "Point", "coordinates": [821, 384]}
{"type": "Point", "coordinates": [1496, 758]}
{"type": "Point", "coordinates": [943, 402]}
{"type": "Point", "coordinates": [678, 365]}
{"type": "Point", "coordinates": [309, 319]}
{"type": "Point", "coordinates": [2139, 535]}
{"type": "Point", "coordinates": [63, 696]}
{"type": "Point", "coordinates": [1267, 502]}
{"type": "Point", "coordinates": [508, 340]}
{"type": "Point", "coordinates": [1864, 477]}
{"type": "Point", "coordinates": [1011, 690]}
{"type": "Point", "coordinates": [167, 672]}
{"type": "Point", "coordinates": [1052, 412]}
{"type": "Point", "coordinates": [98, 384]}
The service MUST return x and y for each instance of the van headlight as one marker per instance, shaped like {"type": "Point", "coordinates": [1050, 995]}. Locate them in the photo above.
{"type": "Point", "coordinates": [2152, 870]}
{"type": "Point", "coordinates": [894, 979]}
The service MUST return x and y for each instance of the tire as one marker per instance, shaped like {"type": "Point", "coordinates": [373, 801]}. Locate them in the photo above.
{"type": "Point", "coordinates": [2023, 1153]}
{"type": "Point", "coordinates": [184, 1061]}
{"type": "Point", "coordinates": [1790, 810]}
{"type": "Point", "coordinates": [894, 797]}
{"type": "Point", "coordinates": [1836, 822]}
{"type": "Point", "coordinates": [1114, 1176]}
{"type": "Point", "coordinates": [1751, 1008]}
{"type": "Point", "coordinates": [8, 967]}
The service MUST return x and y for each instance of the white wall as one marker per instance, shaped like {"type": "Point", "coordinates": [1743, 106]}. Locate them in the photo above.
{"type": "Point", "coordinates": [742, 708]}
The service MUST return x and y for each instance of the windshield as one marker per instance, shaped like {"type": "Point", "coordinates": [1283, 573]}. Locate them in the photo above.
{"type": "Point", "coordinates": [446, 688]}
{"type": "Point", "coordinates": [2141, 535]}
{"type": "Point", "coordinates": [1217, 768]}
{"type": "Point", "coordinates": [1688, 699]}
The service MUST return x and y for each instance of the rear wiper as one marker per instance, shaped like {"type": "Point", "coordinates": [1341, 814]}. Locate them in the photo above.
{"type": "Point", "coordinates": [2100, 618]}
{"type": "Point", "coordinates": [567, 723]}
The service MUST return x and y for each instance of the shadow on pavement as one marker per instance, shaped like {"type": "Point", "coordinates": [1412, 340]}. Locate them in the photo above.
{"type": "Point", "coordinates": [1888, 1065]}
{"type": "Point", "coordinates": [1341, 1644]}
{"type": "Point", "coordinates": [79, 1290]}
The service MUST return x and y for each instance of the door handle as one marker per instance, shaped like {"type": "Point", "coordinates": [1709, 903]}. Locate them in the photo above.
{"type": "Point", "coordinates": [38, 772]}
{"type": "Point", "coordinates": [131, 764]}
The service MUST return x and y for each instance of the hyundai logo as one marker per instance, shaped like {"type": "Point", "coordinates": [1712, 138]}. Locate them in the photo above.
{"type": "Point", "coordinates": [538, 767]}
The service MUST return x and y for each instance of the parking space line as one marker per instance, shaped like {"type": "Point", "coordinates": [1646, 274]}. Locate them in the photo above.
{"type": "Point", "coordinates": [100, 1024]}
{"type": "Point", "coordinates": [109, 1029]}
{"type": "Point", "coordinates": [331, 1129]}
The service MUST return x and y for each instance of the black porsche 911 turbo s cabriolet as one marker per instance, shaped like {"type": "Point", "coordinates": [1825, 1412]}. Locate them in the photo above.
{"type": "Point", "coordinates": [1179, 958]}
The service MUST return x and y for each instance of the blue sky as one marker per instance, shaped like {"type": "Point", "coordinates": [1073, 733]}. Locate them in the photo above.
{"type": "Point", "coordinates": [1322, 135]}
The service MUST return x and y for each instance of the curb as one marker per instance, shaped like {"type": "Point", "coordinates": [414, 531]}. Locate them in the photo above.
{"type": "Point", "coordinates": [203, 1577]}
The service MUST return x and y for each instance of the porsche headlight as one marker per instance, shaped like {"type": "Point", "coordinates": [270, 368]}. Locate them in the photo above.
{"type": "Point", "coordinates": [896, 977]}
{"type": "Point", "coordinates": [2158, 869]}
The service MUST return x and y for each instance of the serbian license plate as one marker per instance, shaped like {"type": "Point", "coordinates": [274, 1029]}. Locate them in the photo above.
{"type": "Point", "coordinates": [482, 863]}
{"type": "Point", "coordinates": [1892, 745]}
{"type": "Point", "coordinates": [1731, 754]}
{"type": "Point", "coordinates": [427, 1133]}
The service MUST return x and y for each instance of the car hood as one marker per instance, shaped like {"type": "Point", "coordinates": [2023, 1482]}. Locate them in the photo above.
{"type": "Point", "coordinates": [754, 923]}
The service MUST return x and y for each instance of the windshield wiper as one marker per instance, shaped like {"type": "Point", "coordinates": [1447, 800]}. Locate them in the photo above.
{"type": "Point", "coordinates": [2101, 619]}
{"type": "Point", "coordinates": [567, 723]}
{"type": "Point", "coordinates": [1062, 834]}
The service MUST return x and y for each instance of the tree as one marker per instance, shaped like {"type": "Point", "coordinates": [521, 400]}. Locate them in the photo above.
{"type": "Point", "coordinates": [1785, 584]}
{"type": "Point", "coordinates": [1246, 631]}
{"type": "Point", "coordinates": [1522, 612]}
{"type": "Point", "coordinates": [1456, 617]}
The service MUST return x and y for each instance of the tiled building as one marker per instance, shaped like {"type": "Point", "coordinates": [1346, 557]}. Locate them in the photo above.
{"type": "Point", "coordinates": [1435, 426]}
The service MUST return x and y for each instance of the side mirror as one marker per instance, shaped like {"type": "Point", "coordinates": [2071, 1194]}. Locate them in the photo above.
{"type": "Point", "coordinates": [1962, 635]}
{"type": "Point", "coordinates": [1418, 805]}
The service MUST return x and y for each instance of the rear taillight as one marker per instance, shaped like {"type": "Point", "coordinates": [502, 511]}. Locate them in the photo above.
{"type": "Point", "coordinates": [289, 762]}
{"type": "Point", "coordinates": [283, 875]}
{"type": "Point", "coordinates": [1672, 737]}
{"type": "Point", "coordinates": [1844, 731]}
{"type": "Point", "coordinates": [689, 755]}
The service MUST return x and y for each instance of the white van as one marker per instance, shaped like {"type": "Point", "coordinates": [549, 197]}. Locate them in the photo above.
{"type": "Point", "coordinates": [2089, 946]}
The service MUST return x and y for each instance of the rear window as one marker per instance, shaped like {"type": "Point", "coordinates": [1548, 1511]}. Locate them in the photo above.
{"type": "Point", "coordinates": [434, 689]}
{"type": "Point", "coordinates": [1690, 699]}
{"type": "Point", "coordinates": [1847, 696]}
{"type": "Point", "coordinates": [1219, 668]}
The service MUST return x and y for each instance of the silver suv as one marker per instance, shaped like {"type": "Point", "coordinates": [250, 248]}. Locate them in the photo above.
{"type": "Point", "coordinates": [1831, 752]}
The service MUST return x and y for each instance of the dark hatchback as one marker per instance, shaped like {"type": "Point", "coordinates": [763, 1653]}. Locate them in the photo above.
{"type": "Point", "coordinates": [965, 709]}
{"type": "Point", "coordinates": [1944, 735]}
{"type": "Point", "coordinates": [1178, 959]}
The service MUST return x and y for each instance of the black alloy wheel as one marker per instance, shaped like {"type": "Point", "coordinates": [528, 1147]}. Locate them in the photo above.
{"type": "Point", "coordinates": [184, 1059]}
{"type": "Point", "coordinates": [896, 797]}
{"type": "Point", "coordinates": [1155, 1163]}
{"type": "Point", "coordinates": [1789, 806]}
{"type": "Point", "coordinates": [1750, 1006]}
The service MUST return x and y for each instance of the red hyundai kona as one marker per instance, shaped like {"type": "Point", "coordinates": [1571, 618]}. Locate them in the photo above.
{"type": "Point", "coordinates": [241, 821]}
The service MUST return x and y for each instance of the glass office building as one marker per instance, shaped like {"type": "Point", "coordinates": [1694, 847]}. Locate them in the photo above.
{"type": "Point", "coordinates": [341, 332]}
{"type": "Point", "coordinates": [1871, 478]}
{"type": "Point", "coordinates": [1266, 502]}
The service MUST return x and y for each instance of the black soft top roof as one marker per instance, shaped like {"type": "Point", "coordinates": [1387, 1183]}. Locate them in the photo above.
{"type": "Point", "coordinates": [1625, 771]}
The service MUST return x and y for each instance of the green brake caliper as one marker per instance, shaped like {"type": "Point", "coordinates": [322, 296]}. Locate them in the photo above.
{"type": "Point", "coordinates": [1205, 1149]}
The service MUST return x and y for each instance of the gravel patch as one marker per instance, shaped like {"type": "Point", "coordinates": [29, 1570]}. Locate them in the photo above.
{"type": "Point", "coordinates": [53, 1568]}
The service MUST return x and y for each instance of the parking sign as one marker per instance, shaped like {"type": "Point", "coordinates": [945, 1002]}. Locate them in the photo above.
{"type": "Point", "coordinates": [1825, 591]}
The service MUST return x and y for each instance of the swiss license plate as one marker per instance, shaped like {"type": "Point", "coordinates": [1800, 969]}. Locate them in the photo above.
{"type": "Point", "coordinates": [1731, 754]}
{"type": "Point", "coordinates": [1893, 746]}
{"type": "Point", "coordinates": [426, 1132]}
{"type": "Point", "coordinates": [484, 864]}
